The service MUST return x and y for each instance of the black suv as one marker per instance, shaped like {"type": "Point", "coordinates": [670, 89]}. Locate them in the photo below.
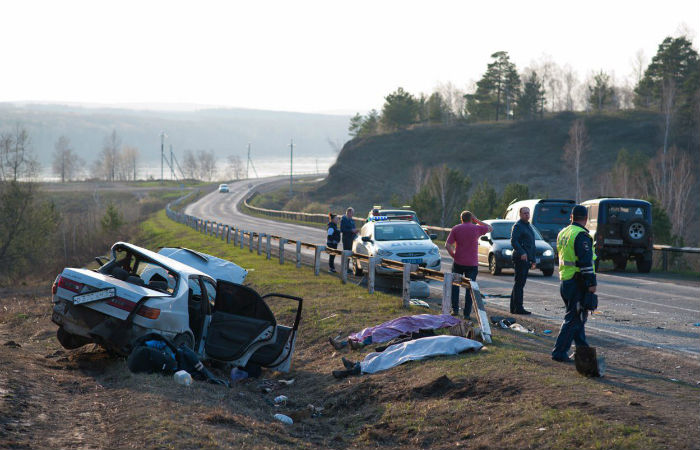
{"type": "Point", "coordinates": [621, 230]}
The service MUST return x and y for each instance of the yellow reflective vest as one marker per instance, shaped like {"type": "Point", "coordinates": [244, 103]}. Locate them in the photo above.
{"type": "Point", "coordinates": [567, 253]}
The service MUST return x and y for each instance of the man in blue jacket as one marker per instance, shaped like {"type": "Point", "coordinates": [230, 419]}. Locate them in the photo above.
{"type": "Point", "coordinates": [522, 238]}
{"type": "Point", "coordinates": [348, 229]}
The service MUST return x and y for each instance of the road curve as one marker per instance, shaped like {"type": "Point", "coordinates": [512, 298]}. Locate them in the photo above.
{"type": "Point", "coordinates": [634, 308]}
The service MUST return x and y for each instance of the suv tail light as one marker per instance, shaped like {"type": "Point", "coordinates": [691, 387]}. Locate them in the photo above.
{"type": "Point", "coordinates": [67, 283]}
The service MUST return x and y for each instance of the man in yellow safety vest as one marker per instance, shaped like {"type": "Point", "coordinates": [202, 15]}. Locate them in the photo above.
{"type": "Point", "coordinates": [577, 275]}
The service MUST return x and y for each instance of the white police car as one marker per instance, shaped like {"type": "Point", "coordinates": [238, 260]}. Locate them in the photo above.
{"type": "Point", "coordinates": [396, 239]}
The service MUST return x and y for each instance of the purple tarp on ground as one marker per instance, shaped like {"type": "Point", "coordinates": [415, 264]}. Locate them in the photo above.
{"type": "Point", "coordinates": [408, 324]}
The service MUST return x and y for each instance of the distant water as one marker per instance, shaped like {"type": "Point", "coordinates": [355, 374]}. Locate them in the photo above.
{"type": "Point", "coordinates": [263, 167]}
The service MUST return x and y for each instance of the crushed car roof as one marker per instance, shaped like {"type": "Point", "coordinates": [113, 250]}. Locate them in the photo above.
{"type": "Point", "coordinates": [217, 268]}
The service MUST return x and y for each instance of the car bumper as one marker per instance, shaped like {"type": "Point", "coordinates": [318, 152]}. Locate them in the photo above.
{"type": "Point", "coordinates": [429, 263]}
{"type": "Point", "coordinates": [506, 262]}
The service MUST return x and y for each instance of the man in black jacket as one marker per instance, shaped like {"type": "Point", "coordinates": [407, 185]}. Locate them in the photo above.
{"type": "Point", "coordinates": [522, 239]}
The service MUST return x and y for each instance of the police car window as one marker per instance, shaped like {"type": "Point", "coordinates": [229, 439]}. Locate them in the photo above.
{"type": "Point", "coordinates": [552, 214]}
{"type": "Point", "coordinates": [624, 213]}
{"type": "Point", "coordinates": [399, 232]}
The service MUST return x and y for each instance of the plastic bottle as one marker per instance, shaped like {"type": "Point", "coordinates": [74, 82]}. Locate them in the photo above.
{"type": "Point", "coordinates": [284, 419]}
{"type": "Point", "coordinates": [281, 399]}
{"type": "Point", "coordinates": [183, 377]}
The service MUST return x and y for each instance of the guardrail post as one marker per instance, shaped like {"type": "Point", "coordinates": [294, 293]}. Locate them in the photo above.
{"type": "Point", "coordinates": [447, 293]}
{"type": "Point", "coordinates": [664, 260]}
{"type": "Point", "coordinates": [228, 234]}
{"type": "Point", "coordinates": [260, 236]}
{"type": "Point", "coordinates": [241, 238]}
{"type": "Point", "coordinates": [480, 309]}
{"type": "Point", "coordinates": [211, 229]}
{"type": "Point", "coordinates": [317, 258]}
{"type": "Point", "coordinates": [344, 260]}
{"type": "Point", "coordinates": [281, 248]}
{"type": "Point", "coordinates": [371, 273]}
{"type": "Point", "coordinates": [268, 247]}
{"type": "Point", "coordinates": [223, 232]}
{"type": "Point", "coordinates": [235, 236]}
{"type": "Point", "coordinates": [250, 242]}
{"type": "Point", "coordinates": [406, 285]}
{"type": "Point", "coordinates": [298, 254]}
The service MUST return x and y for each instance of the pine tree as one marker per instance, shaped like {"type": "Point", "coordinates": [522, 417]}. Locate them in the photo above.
{"type": "Point", "coordinates": [531, 99]}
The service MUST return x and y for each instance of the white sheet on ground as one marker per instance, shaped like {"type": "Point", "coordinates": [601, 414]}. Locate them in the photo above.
{"type": "Point", "coordinates": [417, 349]}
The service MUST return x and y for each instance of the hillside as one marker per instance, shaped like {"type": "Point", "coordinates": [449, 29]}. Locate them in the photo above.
{"type": "Point", "coordinates": [371, 170]}
{"type": "Point", "coordinates": [225, 131]}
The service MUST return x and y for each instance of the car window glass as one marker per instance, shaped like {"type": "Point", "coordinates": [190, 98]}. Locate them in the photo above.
{"type": "Point", "coordinates": [399, 232]}
{"type": "Point", "coordinates": [193, 285]}
{"type": "Point", "coordinates": [211, 291]}
{"type": "Point", "coordinates": [592, 215]}
{"type": "Point", "coordinates": [624, 213]}
{"type": "Point", "coordinates": [552, 214]}
{"type": "Point", "coordinates": [501, 230]}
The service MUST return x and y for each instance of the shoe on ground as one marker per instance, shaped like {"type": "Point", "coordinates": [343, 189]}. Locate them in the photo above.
{"type": "Point", "coordinates": [523, 312]}
{"type": "Point", "coordinates": [562, 359]}
{"type": "Point", "coordinates": [336, 344]}
{"type": "Point", "coordinates": [355, 345]}
{"type": "Point", "coordinates": [355, 370]}
{"type": "Point", "coordinates": [347, 363]}
{"type": "Point", "coordinates": [332, 270]}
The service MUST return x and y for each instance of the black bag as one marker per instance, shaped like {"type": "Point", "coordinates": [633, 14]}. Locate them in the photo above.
{"type": "Point", "coordinates": [590, 301]}
{"type": "Point", "coordinates": [587, 362]}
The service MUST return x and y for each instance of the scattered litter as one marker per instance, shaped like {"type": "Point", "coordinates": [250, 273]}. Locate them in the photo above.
{"type": "Point", "coordinates": [183, 377]}
{"type": "Point", "coordinates": [281, 399]}
{"type": "Point", "coordinates": [678, 367]}
{"type": "Point", "coordinates": [238, 374]}
{"type": "Point", "coordinates": [547, 331]}
{"type": "Point", "coordinates": [501, 321]}
{"type": "Point", "coordinates": [673, 379]}
{"type": "Point", "coordinates": [520, 328]}
{"type": "Point", "coordinates": [284, 419]}
{"type": "Point", "coordinates": [697, 324]}
{"type": "Point", "coordinates": [272, 385]}
{"type": "Point", "coordinates": [421, 303]}
{"type": "Point", "coordinates": [328, 317]}
{"type": "Point", "coordinates": [542, 429]}
{"type": "Point", "coordinates": [12, 344]}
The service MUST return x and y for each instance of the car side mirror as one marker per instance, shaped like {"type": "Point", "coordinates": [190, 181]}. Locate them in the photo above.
{"type": "Point", "coordinates": [366, 239]}
{"type": "Point", "coordinates": [433, 236]}
{"type": "Point", "coordinates": [485, 238]}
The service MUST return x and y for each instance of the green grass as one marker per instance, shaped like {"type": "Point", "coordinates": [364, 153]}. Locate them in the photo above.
{"type": "Point", "coordinates": [516, 388]}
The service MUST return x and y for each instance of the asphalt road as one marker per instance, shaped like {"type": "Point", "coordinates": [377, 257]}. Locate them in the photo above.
{"type": "Point", "coordinates": [650, 310]}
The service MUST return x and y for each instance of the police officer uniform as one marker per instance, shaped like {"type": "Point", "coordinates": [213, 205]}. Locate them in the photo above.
{"type": "Point", "coordinates": [577, 275]}
{"type": "Point", "coordinates": [332, 240]}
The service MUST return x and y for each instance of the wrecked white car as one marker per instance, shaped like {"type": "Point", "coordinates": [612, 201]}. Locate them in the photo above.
{"type": "Point", "coordinates": [188, 297]}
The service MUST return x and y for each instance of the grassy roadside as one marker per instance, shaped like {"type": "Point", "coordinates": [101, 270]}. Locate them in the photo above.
{"type": "Point", "coordinates": [510, 395]}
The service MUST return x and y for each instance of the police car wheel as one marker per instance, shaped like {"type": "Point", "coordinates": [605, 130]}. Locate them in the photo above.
{"type": "Point", "coordinates": [547, 272]}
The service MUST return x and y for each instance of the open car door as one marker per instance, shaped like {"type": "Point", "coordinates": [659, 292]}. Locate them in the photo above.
{"type": "Point", "coordinates": [241, 323]}
{"type": "Point", "coordinates": [277, 355]}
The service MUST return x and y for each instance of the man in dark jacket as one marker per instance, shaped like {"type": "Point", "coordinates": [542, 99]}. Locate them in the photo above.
{"type": "Point", "coordinates": [522, 238]}
{"type": "Point", "coordinates": [348, 229]}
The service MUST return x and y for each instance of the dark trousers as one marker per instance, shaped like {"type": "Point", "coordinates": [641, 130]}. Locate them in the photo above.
{"type": "Point", "coordinates": [573, 328]}
{"type": "Point", "coordinates": [347, 241]}
{"type": "Point", "coordinates": [331, 258]}
{"type": "Point", "coordinates": [471, 273]}
{"type": "Point", "coordinates": [516, 295]}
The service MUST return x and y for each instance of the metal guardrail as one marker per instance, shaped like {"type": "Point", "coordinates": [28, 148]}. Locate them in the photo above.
{"type": "Point", "coordinates": [240, 237]}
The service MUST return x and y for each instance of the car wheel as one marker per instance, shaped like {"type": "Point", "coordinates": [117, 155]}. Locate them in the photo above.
{"type": "Point", "coordinates": [356, 268]}
{"type": "Point", "coordinates": [644, 266]}
{"type": "Point", "coordinates": [494, 268]}
{"type": "Point", "coordinates": [620, 263]}
{"type": "Point", "coordinates": [70, 341]}
{"type": "Point", "coordinates": [186, 339]}
{"type": "Point", "coordinates": [547, 272]}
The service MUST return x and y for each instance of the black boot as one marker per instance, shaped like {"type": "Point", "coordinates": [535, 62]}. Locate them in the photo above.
{"type": "Point", "coordinates": [355, 370]}
{"type": "Point", "coordinates": [347, 363]}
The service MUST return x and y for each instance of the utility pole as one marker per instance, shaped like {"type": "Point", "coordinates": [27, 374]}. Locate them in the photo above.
{"type": "Point", "coordinates": [247, 163]}
{"type": "Point", "coordinates": [172, 168]}
{"type": "Point", "coordinates": [162, 154]}
{"type": "Point", "coordinates": [291, 160]}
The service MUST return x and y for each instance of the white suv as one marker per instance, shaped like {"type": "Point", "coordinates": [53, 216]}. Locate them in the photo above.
{"type": "Point", "coordinates": [398, 240]}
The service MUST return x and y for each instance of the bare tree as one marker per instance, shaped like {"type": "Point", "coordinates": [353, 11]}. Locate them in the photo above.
{"type": "Point", "coordinates": [669, 97]}
{"type": "Point", "coordinates": [574, 149]}
{"type": "Point", "coordinates": [639, 62]}
{"type": "Point", "coordinates": [190, 165]}
{"type": "Point", "coordinates": [235, 167]}
{"type": "Point", "coordinates": [672, 177]}
{"type": "Point", "coordinates": [570, 81]}
{"type": "Point", "coordinates": [449, 188]}
{"type": "Point", "coordinates": [419, 177]}
{"type": "Point", "coordinates": [129, 158]}
{"type": "Point", "coordinates": [336, 144]}
{"type": "Point", "coordinates": [16, 157]}
{"type": "Point", "coordinates": [207, 165]}
{"type": "Point", "coordinates": [66, 163]}
{"type": "Point", "coordinates": [110, 155]}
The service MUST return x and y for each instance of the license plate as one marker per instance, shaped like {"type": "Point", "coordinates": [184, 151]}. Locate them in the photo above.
{"type": "Point", "coordinates": [613, 241]}
{"type": "Point", "coordinates": [413, 261]}
{"type": "Point", "coordinates": [94, 296]}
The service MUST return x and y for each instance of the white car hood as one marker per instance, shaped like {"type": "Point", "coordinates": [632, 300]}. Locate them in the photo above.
{"type": "Point", "coordinates": [217, 268]}
{"type": "Point", "coordinates": [405, 246]}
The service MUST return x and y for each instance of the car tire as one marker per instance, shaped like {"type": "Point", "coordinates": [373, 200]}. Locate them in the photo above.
{"type": "Point", "coordinates": [548, 272]}
{"type": "Point", "coordinates": [644, 265]}
{"type": "Point", "coordinates": [635, 231]}
{"type": "Point", "coordinates": [620, 263]}
{"type": "Point", "coordinates": [356, 268]}
{"type": "Point", "coordinates": [494, 268]}
{"type": "Point", "coordinates": [70, 341]}
{"type": "Point", "coordinates": [186, 339]}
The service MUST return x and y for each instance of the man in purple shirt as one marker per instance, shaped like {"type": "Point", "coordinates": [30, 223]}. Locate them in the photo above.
{"type": "Point", "coordinates": [463, 246]}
